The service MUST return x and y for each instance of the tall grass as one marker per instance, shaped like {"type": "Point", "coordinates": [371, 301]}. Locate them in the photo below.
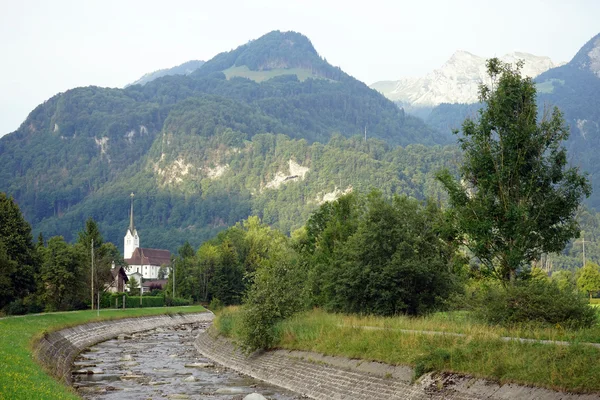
{"type": "Point", "coordinates": [20, 376]}
{"type": "Point", "coordinates": [481, 353]}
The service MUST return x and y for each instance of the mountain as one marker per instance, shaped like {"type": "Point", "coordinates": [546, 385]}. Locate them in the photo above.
{"type": "Point", "coordinates": [204, 150]}
{"type": "Point", "coordinates": [184, 69]}
{"type": "Point", "coordinates": [457, 81]}
{"type": "Point", "coordinates": [575, 89]}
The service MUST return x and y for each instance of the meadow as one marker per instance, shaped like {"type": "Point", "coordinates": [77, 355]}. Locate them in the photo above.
{"type": "Point", "coordinates": [264, 75]}
{"type": "Point", "coordinates": [21, 377]}
{"type": "Point", "coordinates": [481, 352]}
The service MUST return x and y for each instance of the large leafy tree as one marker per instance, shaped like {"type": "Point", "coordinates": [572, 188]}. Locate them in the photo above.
{"type": "Point", "coordinates": [588, 279]}
{"type": "Point", "coordinates": [517, 197]}
{"type": "Point", "coordinates": [60, 275]}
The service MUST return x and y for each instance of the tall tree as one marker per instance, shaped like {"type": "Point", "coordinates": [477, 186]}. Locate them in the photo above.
{"type": "Point", "coordinates": [104, 255]}
{"type": "Point", "coordinates": [517, 197]}
{"type": "Point", "coordinates": [59, 275]}
{"type": "Point", "coordinates": [18, 261]}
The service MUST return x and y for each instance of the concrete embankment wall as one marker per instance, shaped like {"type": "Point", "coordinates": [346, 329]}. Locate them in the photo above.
{"type": "Point", "coordinates": [322, 377]}
{"type": "Point", "coordinates": [57, 350]}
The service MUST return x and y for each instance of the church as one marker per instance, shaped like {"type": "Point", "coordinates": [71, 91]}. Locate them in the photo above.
{"type": "Point", "coordinates": [144, 261]}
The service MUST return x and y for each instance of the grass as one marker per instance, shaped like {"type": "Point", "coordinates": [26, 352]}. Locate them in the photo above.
{"type": "Point", "coordinates": [260, 76]}
{"type": "Point", "coordinates": [21, 377]}
{"type": "Point", "coordinates": [548, 85]}
{"type": "Point", "coordinates": [482, 353]}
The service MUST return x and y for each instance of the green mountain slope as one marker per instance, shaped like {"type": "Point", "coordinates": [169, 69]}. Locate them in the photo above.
{"type": "Point", "coordinates": [82, 152]}
{"type": "Point", "coordinates": [191, 183]}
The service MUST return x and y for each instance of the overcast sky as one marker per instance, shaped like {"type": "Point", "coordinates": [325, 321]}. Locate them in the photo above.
{"type": "Point", "coordinates": [48, 47]}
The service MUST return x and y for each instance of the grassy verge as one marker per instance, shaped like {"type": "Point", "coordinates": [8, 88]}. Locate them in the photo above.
{"type": "Point", "coordinates": [482, 353]}
{"type": "Point", "coordinates": [21, 377]}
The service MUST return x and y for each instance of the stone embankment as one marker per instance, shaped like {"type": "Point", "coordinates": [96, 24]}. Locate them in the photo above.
{"type": "Point", "coordinates": [322, 377]}
{"type": "Point", "coordinates": [57, 350]}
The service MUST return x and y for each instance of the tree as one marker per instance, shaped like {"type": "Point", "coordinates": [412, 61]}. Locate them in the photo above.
{"type": "Point", "coordinates": [588, 279]}
{"type": "Point", "coordinates": [276, 294]}
{"type": "Point", "coordinates": [104, 255]}
{"type": "Point", "coordinates": [59, 275]}
{"type": "Point", "coordinates": [133, 285]}
{"type": "Point", "coordinates": [397, 261]}
{"type": "Point", "coordinates": [517, 197]}
{"type": "Point", "coordinates": [18, 261]}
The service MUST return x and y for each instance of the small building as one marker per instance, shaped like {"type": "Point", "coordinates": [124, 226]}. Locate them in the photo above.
{"type": "Point", "coordinates": [119, 279]}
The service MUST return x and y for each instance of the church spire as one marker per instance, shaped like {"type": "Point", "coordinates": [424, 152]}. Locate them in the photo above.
{"type": "Point", "coordinates": [131, 226]}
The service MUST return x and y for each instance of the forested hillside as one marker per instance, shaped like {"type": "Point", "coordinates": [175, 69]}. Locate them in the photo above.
{"type": "Point", "coordinates": [200, 150]}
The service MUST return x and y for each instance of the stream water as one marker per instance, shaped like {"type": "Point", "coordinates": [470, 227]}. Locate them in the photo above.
{"type": "Point", "coordinates": [162, 364]}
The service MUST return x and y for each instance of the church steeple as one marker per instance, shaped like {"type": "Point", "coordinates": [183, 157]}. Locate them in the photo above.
{"type": "Point", "coordinates": [131, 226]}
{"type": "Point", "coordinates": [131, 241]}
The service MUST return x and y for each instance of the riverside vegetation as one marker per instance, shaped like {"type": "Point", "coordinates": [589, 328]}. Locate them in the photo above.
{"type": "Point", "coordinates": [363, 255]}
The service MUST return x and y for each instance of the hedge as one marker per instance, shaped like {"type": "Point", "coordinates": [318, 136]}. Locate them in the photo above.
{"type": "Point", "coordinates": [115, 300]}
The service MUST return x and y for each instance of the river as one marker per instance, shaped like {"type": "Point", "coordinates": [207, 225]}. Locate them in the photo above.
{"type": "Point", "coordinates": [162, 364]}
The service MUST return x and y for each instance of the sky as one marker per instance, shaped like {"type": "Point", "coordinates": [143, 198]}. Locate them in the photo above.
{"type": "Point", "coordinates": [47, 47]}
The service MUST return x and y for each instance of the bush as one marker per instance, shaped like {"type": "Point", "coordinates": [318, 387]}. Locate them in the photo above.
{"type": "Point", "coordinates": [275, 295]}
{"type": "Point", "coordinates": [535, 301]}
{"type": "Point", "coordinates": [16, 308]}
{"type": "Point", "coordinates": [177, 301]}
{"type": "Point", "coordinates": [215, 305]}
{"type": "Point", "coordinates": [28, 305]}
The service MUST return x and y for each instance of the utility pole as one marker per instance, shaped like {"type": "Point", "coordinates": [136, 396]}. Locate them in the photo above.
{"type": "Point", "coordinates": [583, 242]}
{"type": "Point", "coordinates": [92, 277]}
{"type": "Point", "coordinates": [583, 245]}
{"type": "Point", "coordinates": [173, 281]}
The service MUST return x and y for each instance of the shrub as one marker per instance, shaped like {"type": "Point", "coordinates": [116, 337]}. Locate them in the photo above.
{"type": "Point", "coordinates": [147, 301]}
{"type": "Point", "coordinates": [275, 295]}
{"type": "Point", "coordinates": [534, 301]}
{"type": "Point", "coordinates": [16, 308]}
{"type": "Point", "coordinates": [215, 305]}
{"type": "Point", "coordinates": [177, 301]}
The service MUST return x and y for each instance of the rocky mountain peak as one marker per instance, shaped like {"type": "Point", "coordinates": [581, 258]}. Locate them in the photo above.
{"type": "Point", "coordinates": [457, 81]}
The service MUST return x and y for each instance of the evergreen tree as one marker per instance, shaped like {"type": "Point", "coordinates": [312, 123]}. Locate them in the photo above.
{"type": "Point", "coordinates": [18, 263]}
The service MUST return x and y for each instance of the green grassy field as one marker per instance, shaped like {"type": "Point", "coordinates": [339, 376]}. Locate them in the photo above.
{"type": "Point", "coordinates": [481, 353]}
{"type": "Point", "coordinates": [548, 85]}
{"type": "Point", "coordinates": [260, 76]}
{"type": "Point", "coordinates": [21, 377]}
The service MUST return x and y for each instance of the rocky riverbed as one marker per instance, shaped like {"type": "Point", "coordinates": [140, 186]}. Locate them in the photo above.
{"type": "Point", "coordinates": [162, 364]}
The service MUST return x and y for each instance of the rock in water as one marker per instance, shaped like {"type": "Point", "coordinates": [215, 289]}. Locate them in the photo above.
{"type": "Point", "coordinates": [255, 396]}
{"type": "Point", "coordinates": [199, 365]}
{"type": "Point", "coordinates": [230, 390]}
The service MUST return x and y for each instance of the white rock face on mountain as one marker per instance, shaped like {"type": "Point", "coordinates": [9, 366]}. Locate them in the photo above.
{"type": "Point", "coordinates": [594, 56]}
{"type": "Point", "coordinates": [457, 81]}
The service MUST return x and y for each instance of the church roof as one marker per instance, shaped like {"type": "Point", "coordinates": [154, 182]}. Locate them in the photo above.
{"type": "Point", "coordinates": [119, 271]}
{"type": "Point", "coordinates": [142, 256]}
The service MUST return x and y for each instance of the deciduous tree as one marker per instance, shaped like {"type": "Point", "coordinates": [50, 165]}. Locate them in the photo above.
{"type": "Point", "coordinates": [516, 197]}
